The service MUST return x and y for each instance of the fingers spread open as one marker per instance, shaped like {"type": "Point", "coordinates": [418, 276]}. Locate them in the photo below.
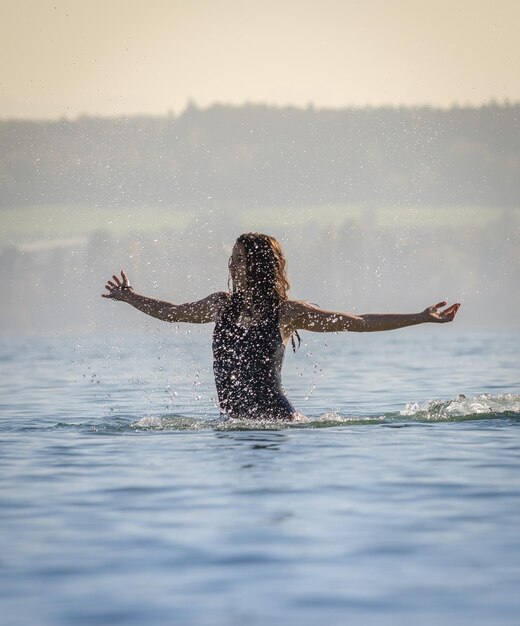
{"type": "Point", "coordinates": [448, 315]}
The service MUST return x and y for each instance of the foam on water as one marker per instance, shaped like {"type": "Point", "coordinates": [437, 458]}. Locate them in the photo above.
{"type": "Point", "coordinates": [461, 408]}
{"type": "Point", "coordinates": [487, 405]}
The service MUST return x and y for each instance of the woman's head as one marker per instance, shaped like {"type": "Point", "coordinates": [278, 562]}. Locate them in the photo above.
{"type": "Point", "coordinates": [258, 265]}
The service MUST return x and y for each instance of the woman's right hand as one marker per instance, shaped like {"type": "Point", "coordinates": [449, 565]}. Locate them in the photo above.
{"type": "Point", "coordinates": [434, 314]}
{"type": "Point", "coordinates": [118, 289]}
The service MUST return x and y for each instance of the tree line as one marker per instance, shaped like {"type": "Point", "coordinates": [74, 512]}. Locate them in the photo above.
{"type": "Point", "coordinates": [258, 156]}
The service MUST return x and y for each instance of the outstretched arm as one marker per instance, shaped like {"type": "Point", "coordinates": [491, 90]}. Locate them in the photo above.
{"type": "Point", "coordinates": [301, 315]}
{"type": "Point", "coordinates": [200, 312]}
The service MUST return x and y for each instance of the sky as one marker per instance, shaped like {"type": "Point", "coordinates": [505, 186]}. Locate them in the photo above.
{"type": "Point", "coordinates": [129, 57]}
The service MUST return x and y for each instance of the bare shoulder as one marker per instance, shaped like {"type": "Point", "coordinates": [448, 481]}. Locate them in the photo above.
{"type": "Point", "coordinates": [219, 297]}
{"type": "Point", "coordinates": [292, 312]}
{"type": "Point", "coordinates": [297, 315]}
{"type": "Point", "coordinates": [218, 301]}
{"type": "Point", "coordinates": [295, 307]}
{"type": "Point", "coordinates": [202, 311]}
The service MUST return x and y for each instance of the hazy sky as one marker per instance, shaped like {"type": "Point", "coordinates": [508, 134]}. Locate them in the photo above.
{"type": "Point", "coordinates": [113, 57]}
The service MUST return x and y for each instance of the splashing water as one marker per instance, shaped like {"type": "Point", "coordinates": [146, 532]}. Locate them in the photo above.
{"type": "Point", "coordinates": [483, 406]}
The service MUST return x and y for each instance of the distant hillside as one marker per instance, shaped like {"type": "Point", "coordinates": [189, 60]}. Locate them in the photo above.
{"type": "Point", "coordinates": [255, 156]}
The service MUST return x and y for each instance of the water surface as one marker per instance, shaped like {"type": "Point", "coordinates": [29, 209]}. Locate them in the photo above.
{"type": "Point", "coordinates": [127, 499]}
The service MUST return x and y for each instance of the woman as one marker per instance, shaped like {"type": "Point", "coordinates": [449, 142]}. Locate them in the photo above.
{"type": "Point", "coordinates": [255, 320]}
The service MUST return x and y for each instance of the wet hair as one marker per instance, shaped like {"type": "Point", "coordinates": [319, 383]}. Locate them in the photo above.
{"type": "Point", "coordinates": [266, 276]}
{"type": "Point", "coordinates": [266, 267]}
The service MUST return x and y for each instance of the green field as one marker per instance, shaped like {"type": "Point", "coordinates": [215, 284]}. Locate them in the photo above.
{"type": "Point", "coordinates": [43, 223]}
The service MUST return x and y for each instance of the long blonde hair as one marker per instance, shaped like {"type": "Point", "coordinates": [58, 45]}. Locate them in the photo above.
{"type": "Point", "coordinates": [266, 278]}
{"type": "Point", "coordinates": [266, 268]}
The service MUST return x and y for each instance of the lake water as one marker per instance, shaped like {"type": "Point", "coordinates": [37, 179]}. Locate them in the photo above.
{"type": "Point", "coordinates": [126, 499]}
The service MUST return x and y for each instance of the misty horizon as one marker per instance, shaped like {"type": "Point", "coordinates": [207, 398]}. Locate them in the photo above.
{"type": "Point", "coordinates": [379, 210]}
{"type": "Point", "coordinates": [192, 104]}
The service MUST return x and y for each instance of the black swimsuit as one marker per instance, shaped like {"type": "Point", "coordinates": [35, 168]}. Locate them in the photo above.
{"type": "Point", "coordinates": [247, 363]}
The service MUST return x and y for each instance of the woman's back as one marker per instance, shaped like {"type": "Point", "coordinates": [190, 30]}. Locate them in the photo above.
{"type": "Point", "coordinates": [248, 356]}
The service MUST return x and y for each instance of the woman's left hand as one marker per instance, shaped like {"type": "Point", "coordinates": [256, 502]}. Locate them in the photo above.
{"type": "Point", "coordinates": [118, 288]}
{"type": "Point", "coordinates": [433, 314]}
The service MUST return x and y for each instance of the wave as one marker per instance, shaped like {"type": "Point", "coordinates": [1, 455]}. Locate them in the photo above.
{"type": "Point", "coordinates": [478, 407]}
{"type": "Point", "coordinates": [504, 407]}
{"type": "Point", "coordinates": [459, 409]}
